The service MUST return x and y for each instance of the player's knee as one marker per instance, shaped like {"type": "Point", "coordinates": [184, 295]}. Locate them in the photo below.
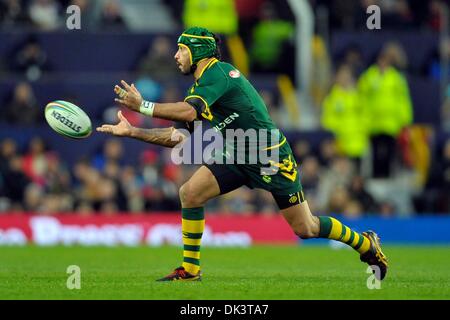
{"type": "Point", "coordinates": [189, 197]}
{"type": "Point", "coordinates": [304, 230]}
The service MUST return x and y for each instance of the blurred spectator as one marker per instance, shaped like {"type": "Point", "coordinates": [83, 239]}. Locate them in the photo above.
{"type": "Point", "coordinates": [387, 209]}
{"type": "Point", "coordinates": [396, 14]}
{"type": "Point", "coordinates": [385, 96]}
{"type": "Point", "coordinates": [338, 175]}
{"type": "Point", "coordinates": [112, 171]}
{"type": "Point", "coordinates": [264, 202]}
{"type": "Point", "coordinates": [33, 197]}
{"type": "Point", "coordinates": [31, 60]}
{"type": "Point", "coordinates": [344, 115]}
{"type": "Point", "coordinates": [12, 14]}
{"type": "Point", "coordinates": [343, 13]}
{"type": "Point", "coordinates": [8, 150]}
{"type": "Point", "coordinates": [353, 58]}
{"type": "Point", "coordinates": [436, 195]}
{"type": "Point", "coordinates": [23, 109]}
{"type": "Point", "coordinates": [16, 182]}
{"type": "Point", "coordinates": [97, 190]}
{"type": "Point", "coordinates": [45, 14]}
{"type": "Point", "coordinates": [434, 68]}
{"type": "Point", "coordinates": [436, 8]}
{"type": "Point", "coordinates": [85, 209]}
{"type": "Point", "coordinates": [302, 149]}
{"type": "Point", "coordinates": [310, 174]}
{"type": "Point", "coordinates": [132, 185]}
{"type": "Point", "coordinates": [358, 192]}
{"type": "Point", "coordinates": [338, 200]}
{"type": "Point", "coordinates": [248, 11]}
{"type": "Point", "coordinates": [158, 62]}
{"type": "Point", "coordinates": [278, 115]}
{"type": "Point", "coordinates": [270, 39]}
{"type": "Point", "coordinates": [171, 180]}
{"type": "Point", "coordinates": [109, 208]}
{"type": "Point", "coordinates": [112, 152]}
{"type": "Point", "coordinates": [57, 176]}
{"type": "Point", "coordinates": [239, 201]}
{"type": "Point", "coordinates": [151, 191]}
{"type": "Point", "coordinates": [81, 170]}
{"type": "Point", "coordinates": [218, 16]}
{"type": "Point", "coordinates": [353, 209]}
{"type": "Point", "coordinates": [36, 160]}
{"type": "Point", "coordinates": [327, 152]}
{"type": "Point", "coordinates": [53, 204]}
{"type": "Point", "coordinates": [111, 16]}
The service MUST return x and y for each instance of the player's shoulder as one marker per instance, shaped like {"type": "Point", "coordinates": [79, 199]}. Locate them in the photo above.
{"type": "Point", "coordinates": [220, 71]}
{"type": "Point", "coordinates": [228, 70]}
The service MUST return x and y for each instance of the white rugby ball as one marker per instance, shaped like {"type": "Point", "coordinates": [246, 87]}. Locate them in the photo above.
{"type": "Point", "coordinates": [68, 119]}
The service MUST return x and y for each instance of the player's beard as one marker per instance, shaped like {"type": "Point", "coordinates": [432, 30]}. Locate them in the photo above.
{"type": "Point", "coordinates": [190, 70]}
{"type": "Point", "coordinates": [183, 71]}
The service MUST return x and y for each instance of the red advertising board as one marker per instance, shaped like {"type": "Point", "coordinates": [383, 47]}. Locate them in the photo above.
{"type": "Point", "coordinates": [149, 229]}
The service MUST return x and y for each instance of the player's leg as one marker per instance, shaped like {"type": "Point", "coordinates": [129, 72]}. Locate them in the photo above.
{"type": "Point", "coordinates": [206, 183]}
{"type": "Point", "coordinates": [296, 211]}
{"type": "Point", "coordinates": [201, 187]}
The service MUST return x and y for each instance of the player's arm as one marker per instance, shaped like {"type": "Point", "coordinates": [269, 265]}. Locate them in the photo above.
{"type": "Point", "coordinates": [130, 97]}
{"type": "Point", "coordinates": [166, 137]}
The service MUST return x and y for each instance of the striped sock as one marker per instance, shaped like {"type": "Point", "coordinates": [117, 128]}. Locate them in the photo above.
{"type": "Point", "coordinates": [192, 226]}
{"type": "Point", "coordinates": [331, 228]}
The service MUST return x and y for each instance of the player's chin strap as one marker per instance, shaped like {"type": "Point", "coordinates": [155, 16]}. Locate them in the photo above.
{"type": "Point", "coordinates": [193, 68]}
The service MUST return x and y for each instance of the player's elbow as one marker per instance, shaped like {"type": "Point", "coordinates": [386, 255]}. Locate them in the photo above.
{"type": "Point", "coordinates": [177, 137]}
{"type": "Point", "coordinates": [190, 115]}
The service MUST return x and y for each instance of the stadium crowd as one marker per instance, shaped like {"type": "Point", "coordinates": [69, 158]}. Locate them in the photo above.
{"type": "Point", "coordinates": [334, 173]}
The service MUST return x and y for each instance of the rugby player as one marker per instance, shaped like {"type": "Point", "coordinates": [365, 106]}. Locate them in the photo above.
{"type": "Point", "coordinates": [224, 97]}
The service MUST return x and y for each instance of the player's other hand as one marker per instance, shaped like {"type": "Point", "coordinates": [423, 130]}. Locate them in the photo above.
{"type": "Point", "coordinates": [122, 129]}
{"type": "Point", "coordinates": [128, 96]}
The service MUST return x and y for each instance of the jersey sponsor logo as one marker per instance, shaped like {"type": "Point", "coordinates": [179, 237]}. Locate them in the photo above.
{"type": "Point", "coordinates": [293, 199]}
{"type": "Point", "coordinates": [66, 121]}
{"type": "Point", "coordinates": [226, 121]}
{"type": "Point", "coordinates": [234, 74]}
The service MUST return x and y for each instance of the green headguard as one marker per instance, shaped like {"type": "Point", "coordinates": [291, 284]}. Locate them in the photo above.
{"type": "Point", "coordinates": [201, 44]}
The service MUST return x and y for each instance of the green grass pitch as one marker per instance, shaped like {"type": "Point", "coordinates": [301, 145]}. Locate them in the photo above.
{"type": "Point", "coordinates": [259, 272]}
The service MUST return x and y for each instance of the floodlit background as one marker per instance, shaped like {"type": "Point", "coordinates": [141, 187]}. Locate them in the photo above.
{"type": "Point", "coordinates": [366, 112]}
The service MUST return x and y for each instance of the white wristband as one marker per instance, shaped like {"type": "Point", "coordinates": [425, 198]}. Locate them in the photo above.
{"type": "Point", "coordinates": [147, 108]}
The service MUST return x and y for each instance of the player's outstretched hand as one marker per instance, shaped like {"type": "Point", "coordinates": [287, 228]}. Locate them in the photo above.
{"type": "Point", "coordinates": [122, 129]}
{"type": "Point", "coordinates": [129, 96]}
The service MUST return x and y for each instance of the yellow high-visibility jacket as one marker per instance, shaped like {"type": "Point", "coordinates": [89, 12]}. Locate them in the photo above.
{"type": "Point", "coordinates": [344, 116]}
{"type": "Point", "coordinates": [386, 98]}
{"type": "Point", "coordinates": [218, 16]}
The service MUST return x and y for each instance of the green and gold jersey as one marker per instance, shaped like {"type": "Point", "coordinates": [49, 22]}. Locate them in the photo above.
{"type": "Point", "coordinates": [225, 98]}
